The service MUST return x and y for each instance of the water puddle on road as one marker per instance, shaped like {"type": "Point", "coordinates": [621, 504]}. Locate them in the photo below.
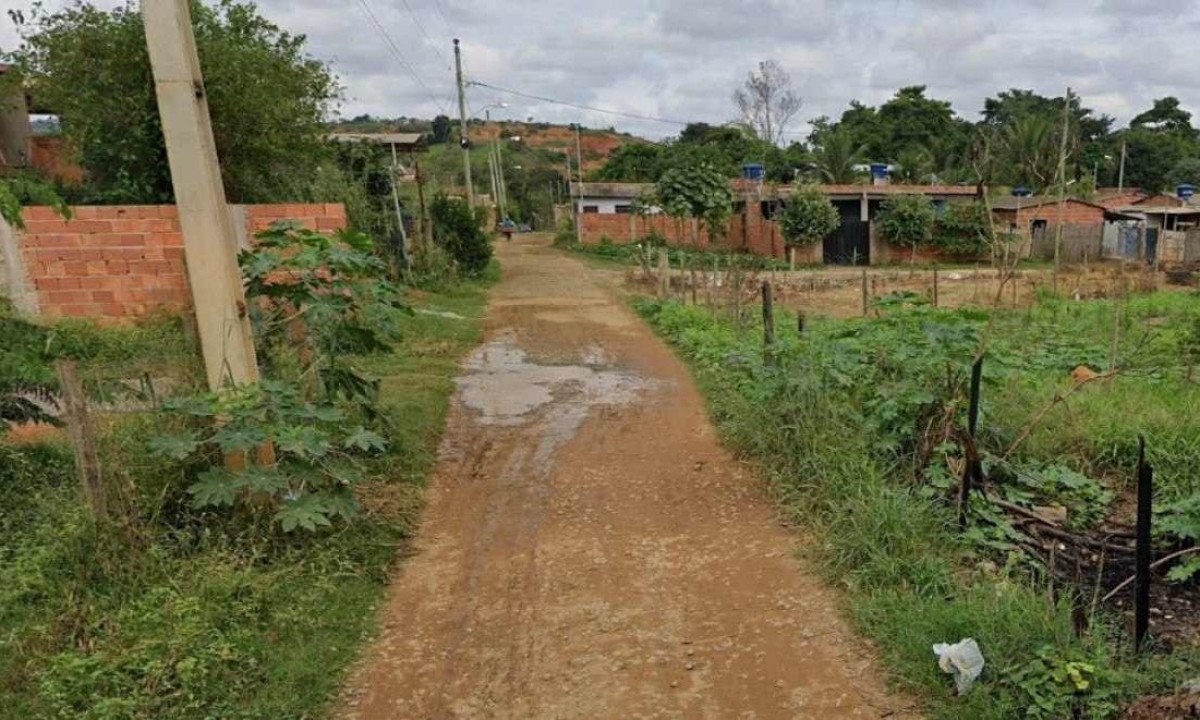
{"type": "Point", "coordinates": [506, 388]}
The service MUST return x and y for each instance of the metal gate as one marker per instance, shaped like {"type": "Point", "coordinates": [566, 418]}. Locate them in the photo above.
{"type": "Point", "coordinates": [850, 244]}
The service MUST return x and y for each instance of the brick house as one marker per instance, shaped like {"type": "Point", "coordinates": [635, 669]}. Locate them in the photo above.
{"type": "Point", "coordinates": [616, 212]}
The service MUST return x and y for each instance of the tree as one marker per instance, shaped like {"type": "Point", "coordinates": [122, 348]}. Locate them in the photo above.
{"type": "Point", "coordinates": [807, 217]}
{"type": "Point", "coordinates": [633, 162]}
{"type": "Point", "coordinates": [907, 220]}
{"type": "Point", "coordinates": [700, 192]}
{"type": "Point", "coordinates": [268, 99]}
{"type": "Point", "coordinates": [767, 102]}
{"type": "Point", "coordinates": [836, 156]}
{"type": "Point", "coordinates": [1186, 171]}
{"type": "Point", "coordinates": [456, 230]}
{"type": "Point", "coordinates": [697, 191]}
{"type": "Point", "coordinates": [440, 131]}
{"type": "Point", "coordinates": [1166, 115]}
{"type": "Point", "coordinates": [1031, 150]}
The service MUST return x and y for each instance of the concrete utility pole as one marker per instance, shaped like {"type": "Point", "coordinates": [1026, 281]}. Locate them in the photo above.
{"type": "Point", "coordinates": [209, 242]}
{"type": "Point", "coordinates": [501, 186]}
{"type": "Point", "coordinates": [579, 201]}
{"type": "Point", "coordinates": [464, 141]}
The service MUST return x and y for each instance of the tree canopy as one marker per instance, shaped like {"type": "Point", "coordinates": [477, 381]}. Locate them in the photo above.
{"type": "Point", "coordinates": [808, 216]}
{"type": "Point", "coordinates": [268, 99]}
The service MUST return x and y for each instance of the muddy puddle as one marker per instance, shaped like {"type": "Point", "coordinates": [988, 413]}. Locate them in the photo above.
{"type": "Point", "coordinates": [503, 386]}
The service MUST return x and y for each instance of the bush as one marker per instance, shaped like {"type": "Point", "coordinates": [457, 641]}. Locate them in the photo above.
{"type": "Point", "coordinates": [808, 216]}
{"type": "Point", "coordinates": [962, 229]}
{"type": "Point", "coordinates": [455, 229]}
{"type": "Point", "coordinates": [907, 220]}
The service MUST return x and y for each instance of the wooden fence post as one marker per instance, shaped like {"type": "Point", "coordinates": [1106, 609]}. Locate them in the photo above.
{"type": "Point", "coordinates": [83, 439]}
{"type": "Point", "coordinates": [768, 311]}
{"type": "Point", "coordinates": [866, 300]}
{"type": "Point", "coordinates": [974, 467]}
{"type": "Point", "coordinates": [664, 273]}
{"type": "Point", "coordinates": [1145, 498]}
{"type": "Point", "coordinates": [935, 285]}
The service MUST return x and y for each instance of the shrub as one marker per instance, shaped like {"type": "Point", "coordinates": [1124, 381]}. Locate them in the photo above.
{"type": "Point", "coordinates": [456, 229]}
{"type": "Point", "coordinates": [962, 229]}
{"type": "Point", "coordinates": [907, 220]}
{"type": "Point", "coordinates": [808, 216]}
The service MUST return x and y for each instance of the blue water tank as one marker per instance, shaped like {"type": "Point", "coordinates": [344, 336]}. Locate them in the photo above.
{"type": "Point", "coordinates": [1185, 191]}
{"type": "Point", "coordinates": [752, 171]}
{"type": "Point", "coordinates": [1021, 192]}
{"type": "Point", "coordinates": [879, 171]}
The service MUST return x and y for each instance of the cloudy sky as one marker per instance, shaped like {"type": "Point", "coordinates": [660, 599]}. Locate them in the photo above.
{"type": "Point", "coordinates": [681, 59]}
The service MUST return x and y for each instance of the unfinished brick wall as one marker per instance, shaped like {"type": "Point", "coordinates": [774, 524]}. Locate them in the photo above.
{"type": "Point", "coordinates": [119, 262]}
{"type": "Point", "coordinates": [745, 230]}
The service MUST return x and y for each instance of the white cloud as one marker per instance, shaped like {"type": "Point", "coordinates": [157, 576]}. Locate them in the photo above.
{"type": "Point", "coordinates": [683, 58]}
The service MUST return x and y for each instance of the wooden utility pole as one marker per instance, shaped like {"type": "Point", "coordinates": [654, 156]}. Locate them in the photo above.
{"type": "Point", "coordinates": [464, 141]}
{"type": "Point", "coordinates": [210, 245]}
{"type": "Point", "coordinates": [1121, 173]}
{"type": "Point", "coordinates": [426, 229]}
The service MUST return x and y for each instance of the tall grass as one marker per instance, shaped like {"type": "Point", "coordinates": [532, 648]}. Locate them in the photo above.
{"type": "Point", "coordinates": [911, 580]}
{"type": "Point", "coordinates": [188, 616]}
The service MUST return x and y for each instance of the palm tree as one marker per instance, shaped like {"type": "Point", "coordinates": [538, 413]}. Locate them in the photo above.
{"type": "Point", "coordinates": [836, 156]}
{"type": "Point", "coordinates": [1030, 146]}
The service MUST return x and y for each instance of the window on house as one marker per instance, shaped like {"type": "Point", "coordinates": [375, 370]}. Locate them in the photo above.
{"type": "Point", "coordinates": [623, 209]}
{"type": "Point", "coordinates": [591, 208]}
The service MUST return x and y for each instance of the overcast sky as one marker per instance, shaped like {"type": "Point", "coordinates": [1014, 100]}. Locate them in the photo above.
{"type": "Point", "coordinates": [681, 59]}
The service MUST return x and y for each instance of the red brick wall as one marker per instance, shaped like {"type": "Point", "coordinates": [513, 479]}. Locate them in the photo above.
{"type": "Point", "coordinates": [745, 230]}
{"type": "Point", "coordinates": [1073, 213]}
{"type": "Point", "coordinates": [118, 262]}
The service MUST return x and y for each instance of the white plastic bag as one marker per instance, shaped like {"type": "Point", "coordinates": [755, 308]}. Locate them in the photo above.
{"type": "Point", "coordinates": [963, 660]}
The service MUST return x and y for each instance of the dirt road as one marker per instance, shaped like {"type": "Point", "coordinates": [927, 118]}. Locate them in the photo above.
{"type": "Point", "coordinates": [589, 550]}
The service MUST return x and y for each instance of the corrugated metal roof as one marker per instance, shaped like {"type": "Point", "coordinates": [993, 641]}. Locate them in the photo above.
{"type": "Point", "coordinates": [381, 138]}
{"type": "Point", "coordinates": [617, 190]}
{"type": "Point", "coordinates": [1010, 202]}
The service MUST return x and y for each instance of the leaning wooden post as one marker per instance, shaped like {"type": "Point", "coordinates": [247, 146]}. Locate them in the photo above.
{"type": "Point", "coordinates": [974, 467]}
{"type": "Point", "coordinates": [664, 273]}
{"type": "Point", "coordinates": [83, 439]}
{"type": "Point", "coordinates": [768, 312]}
{"type": "Point", "coordinates": [866, 299]}
{"type": "Point", "coordinates": [1145, 497]}
{"type": "Point", "coordinates": [209, 242]}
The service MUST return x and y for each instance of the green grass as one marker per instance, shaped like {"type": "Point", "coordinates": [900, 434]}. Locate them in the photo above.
{"type": "Point", "coordinates": [182, 618]}
{"type": "Point", "coordinates": [831, 426]}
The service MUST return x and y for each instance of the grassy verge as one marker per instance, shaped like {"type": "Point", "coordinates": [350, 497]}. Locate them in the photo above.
{"type": "Point", "coordinates": [192, 620]}
{"type": "Point", "coordinates": [835, 424]}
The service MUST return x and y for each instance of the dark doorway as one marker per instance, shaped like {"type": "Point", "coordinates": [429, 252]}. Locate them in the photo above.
{"type": "Point", "coordinates": [850, 244]}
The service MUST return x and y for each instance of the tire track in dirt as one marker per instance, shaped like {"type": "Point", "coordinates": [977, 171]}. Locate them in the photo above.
{"type": "Point", "coordinates": [589, 550]}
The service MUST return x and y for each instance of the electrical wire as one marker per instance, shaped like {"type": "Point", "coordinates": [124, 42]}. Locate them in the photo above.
{"type": "Point", "coordinates": [432, 43]}
{"type": "Point", "coordinates": [578, 106]}
{"type": "Point", "coordinates": [437, 4]}
{"type": "Point", "coordinates": [398, 55]}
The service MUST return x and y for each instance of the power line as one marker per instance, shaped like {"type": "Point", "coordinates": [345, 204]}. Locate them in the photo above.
{"type": "Point", "coordinates": [579, 106]}
{"type": "Point", "coordinates": [437, 4]}
{"type": "Point", "coordinates": [396, 53]}
{"type": "Point", "coordinates": [421, 27]}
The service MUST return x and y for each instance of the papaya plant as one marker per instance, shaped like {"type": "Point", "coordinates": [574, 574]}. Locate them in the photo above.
{"type": "Point", "coordinates": [295, 438]}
